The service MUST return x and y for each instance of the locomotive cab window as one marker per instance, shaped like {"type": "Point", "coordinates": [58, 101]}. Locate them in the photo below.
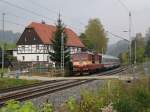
{"type": "Point", "coordinates": [93, 59]}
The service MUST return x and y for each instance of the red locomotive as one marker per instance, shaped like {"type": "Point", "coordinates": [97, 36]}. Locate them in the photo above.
{"type": "Point", "coordinates": [87, 62]}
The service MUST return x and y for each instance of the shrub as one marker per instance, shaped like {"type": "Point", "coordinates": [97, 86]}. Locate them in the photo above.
{"type": "Point", "coordinates": [125, 105]}
{"type": "Point", "coordinates": [47, 107]}
{"type": "Point", "coordinates": [142, 96]}
{"type": "Point", "coordinates": [15, 106]}
{"type": "Point", "coordinates": [91, 102]}
{"type": "Point", "coordinates": [108, 108]}
{"type": "Point", "coordinates": [71, 105]}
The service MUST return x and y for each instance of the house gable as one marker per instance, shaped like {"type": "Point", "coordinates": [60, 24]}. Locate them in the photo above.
{"type": "Point", "coordinates": [29, 37]}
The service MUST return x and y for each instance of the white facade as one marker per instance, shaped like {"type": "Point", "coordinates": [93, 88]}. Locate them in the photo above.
{"type": "Point", "coordinates": [37, 53]}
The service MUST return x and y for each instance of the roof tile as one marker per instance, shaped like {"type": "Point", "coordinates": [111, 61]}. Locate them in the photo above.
{"type": "Point", "coordinates": [45, 33]}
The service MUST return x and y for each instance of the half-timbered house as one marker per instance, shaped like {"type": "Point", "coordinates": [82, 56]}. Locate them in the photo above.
{"type": "Point", "coordinates": [35, 41]}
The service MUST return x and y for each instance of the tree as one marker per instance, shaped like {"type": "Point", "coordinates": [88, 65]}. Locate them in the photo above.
{"type": "Point", "coordinates": [147, 44]}
{"type": "Point", "coordinates": [138, 41]}
{"type": "Point", "coordinates": [55, 56]}
{"type": "Point", "coordinates": [147, 49]}
{"type": "Point", "coordinates": [85, 41]}
{"type": "Point", "coordinates": [147, 35]}
{"type": "Point", "coordinates": [124, 57]}
{"type": "Point", "coordinates": [95, 37]}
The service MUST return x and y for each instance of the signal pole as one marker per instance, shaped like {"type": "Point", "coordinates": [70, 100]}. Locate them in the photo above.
{"type": "Point", "coordinates": [3, 15]}
{"type": "Point", "coordinates": [130, 49]}
{"type": "Point", "coordinates": [135, 53]}
{"type": "Point", "coordinates": [62, 53]}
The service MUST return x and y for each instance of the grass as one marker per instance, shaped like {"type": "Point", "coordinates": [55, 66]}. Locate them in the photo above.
{"type": "Point", "coordinates": [10, 82]}
{"type": "Point", "coordinates": [8, 46]}
{"type": "Point", "coordinates": [114, 96]}
{"type": "Point", "coordinates": [5, 70]}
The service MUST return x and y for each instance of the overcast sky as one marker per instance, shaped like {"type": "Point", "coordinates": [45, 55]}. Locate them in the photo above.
{"type": "Point", "coordinates": [76, 13]}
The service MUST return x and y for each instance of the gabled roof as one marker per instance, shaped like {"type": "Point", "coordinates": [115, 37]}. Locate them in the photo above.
{"type": "Point", "coordinates": [45, 32]}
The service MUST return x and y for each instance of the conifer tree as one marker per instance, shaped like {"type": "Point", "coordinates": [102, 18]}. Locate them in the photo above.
{"type": "Point", "coordinates": [55, 56]}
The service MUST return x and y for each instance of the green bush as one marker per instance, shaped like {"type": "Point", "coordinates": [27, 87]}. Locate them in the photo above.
{"type": "Point", "coordinates": [15, 106]}
{"type": "Point", "coordinates": [71, 105]}
{"type": "Point", "coordinates": [142, 96]}
{"type": "Point", "coordinates": [124, 97]}
{"type": "Point", "coordinates": [125, 105]}
{"type": "Point", "coordinates": [47, 107]}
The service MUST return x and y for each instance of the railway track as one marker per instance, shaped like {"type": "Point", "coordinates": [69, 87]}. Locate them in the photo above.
{"type": "Point", "coordinates": [26, 86]}
{"type": "Point", "coordinates": [39, 89]}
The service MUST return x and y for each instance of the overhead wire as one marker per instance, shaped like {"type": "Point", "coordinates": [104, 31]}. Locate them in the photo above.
{"type": "Point", "coordinates": [16, 16]}
{"type": "Point", "coordinates": [56, 13]}
{"type": "Point", "coordinates": [24, 9]}
{"type": "Point", "coordinates": [118, 36]}
{"type": "Point", "coordinates": [124, 5]}
{"type": "Point", "coordinates": [12, 22]}
{"type": "Point", "coordinates": [32, 12]}
{"type": "Point", "coordinates": [44, 7]}
{"type": "Point", "coordinates": [129, 12]}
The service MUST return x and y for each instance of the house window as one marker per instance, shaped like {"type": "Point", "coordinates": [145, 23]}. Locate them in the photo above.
{"type": "Point", "coordinates": [23, 47]}
{"type": "Point", "coordinates": [23, 58]}
{"type": "Point", "coordinates": [37, 47]}
{"type": "Point", "coordinates": [47, 58]}
{"type": "Point", "coordinates": [78, 49]}
{"type": "Point", "coordinates": [37, 58]}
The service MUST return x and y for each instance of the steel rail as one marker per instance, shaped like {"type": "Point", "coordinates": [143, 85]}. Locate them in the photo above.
{"type": "Point", "coordinates": [48, 89]}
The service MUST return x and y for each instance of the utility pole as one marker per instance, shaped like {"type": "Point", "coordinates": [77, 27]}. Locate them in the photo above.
{"type": "Point", "coordinates": [130, 40]}
{"type": "Point", "coordinates": [3, 15]}
{"type": "Point", "coordinates": [135, 52]}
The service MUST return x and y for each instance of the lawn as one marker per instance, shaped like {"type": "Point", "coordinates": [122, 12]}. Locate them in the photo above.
{"type": "Point", "coordinates": [10, 82]}
{"type": "Point", "coordinates": [5, 70]}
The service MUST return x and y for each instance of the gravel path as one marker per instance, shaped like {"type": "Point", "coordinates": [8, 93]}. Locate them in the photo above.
{"type": "Point", "coordinates": [60, 97]}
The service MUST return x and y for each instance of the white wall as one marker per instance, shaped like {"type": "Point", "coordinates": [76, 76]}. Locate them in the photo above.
{"type": "Point", "coordinates": [32, 57]}
{"type": "Point", "coordinates": [30, 53]}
